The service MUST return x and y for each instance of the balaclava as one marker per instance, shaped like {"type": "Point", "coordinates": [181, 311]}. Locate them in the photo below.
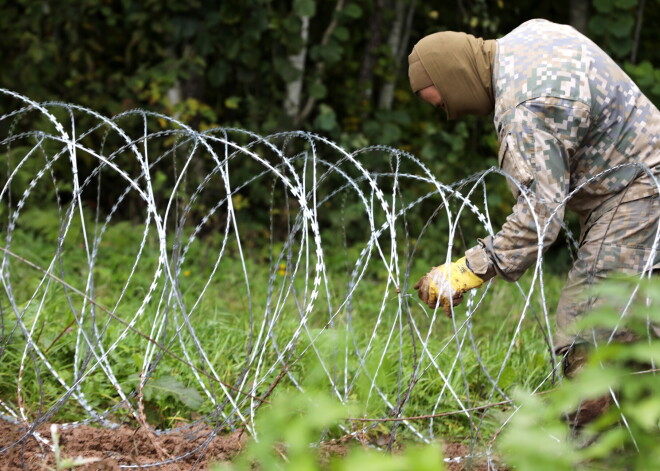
{"type": "Point", "coordinates": [461, 68]}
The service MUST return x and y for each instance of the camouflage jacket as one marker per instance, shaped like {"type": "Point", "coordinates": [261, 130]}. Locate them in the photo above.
{"type": "Point", "coordinates": [564, 113]}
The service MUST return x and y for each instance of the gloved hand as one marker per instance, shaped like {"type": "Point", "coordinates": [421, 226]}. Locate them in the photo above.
{"type": "Point", "coordinates": [446, 284]}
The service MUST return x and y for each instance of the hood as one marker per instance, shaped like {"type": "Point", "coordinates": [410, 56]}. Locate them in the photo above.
{"type": "Point", "coordinates": [461, 68]}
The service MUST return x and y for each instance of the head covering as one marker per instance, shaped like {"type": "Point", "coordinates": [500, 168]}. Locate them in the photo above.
{"type": "Point", "coordinates": [461, 68]}
{"type": "Point", "coordinates": [417, 74]}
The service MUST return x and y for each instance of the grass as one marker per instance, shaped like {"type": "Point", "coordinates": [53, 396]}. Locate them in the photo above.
{"type": "Point", "coordinates": [228, 331]}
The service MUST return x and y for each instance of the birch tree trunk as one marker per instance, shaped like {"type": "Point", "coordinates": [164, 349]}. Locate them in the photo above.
{"type": "Point", "coordinates": [297, 61]}
{"type": "Point", "coordinates": [175, 93]}
{"type": "Point", "coordinates": [320, 66]}
{"type": "Point", "coordinates": [398, 43]}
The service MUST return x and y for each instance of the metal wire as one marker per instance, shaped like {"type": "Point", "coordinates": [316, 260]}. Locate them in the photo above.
{"type": "Point", "coordinates": [304, 304]}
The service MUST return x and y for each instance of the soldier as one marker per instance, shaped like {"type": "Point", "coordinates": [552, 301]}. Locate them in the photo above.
{"type": "Point", "coordinates": [564, 113]}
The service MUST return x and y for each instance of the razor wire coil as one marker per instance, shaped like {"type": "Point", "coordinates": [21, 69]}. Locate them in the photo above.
{"type": "Point", "coordinates": [306, 302]}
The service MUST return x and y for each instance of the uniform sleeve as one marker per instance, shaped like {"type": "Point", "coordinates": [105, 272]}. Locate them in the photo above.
{"type": "Point", "coordinates": [535, 150]}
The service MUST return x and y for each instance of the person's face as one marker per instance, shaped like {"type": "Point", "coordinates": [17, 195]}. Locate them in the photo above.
{"type": "Point", "coordinates": [432, 95]}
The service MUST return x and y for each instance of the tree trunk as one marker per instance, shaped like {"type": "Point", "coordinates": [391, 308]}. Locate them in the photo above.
{"type": "Point", "coordinates": [175, 93]}
{"type": "Point", "coordinates": [579, 15]}
{"type": "Point", "coordinates": [398, 43]}
{"type": "Point", "coordinates": [370, 53]}
{"type": "Point", "coordinates": [320, 66]}
{"type": "Point", "coordinates": [192, 87]}
{"type": "Point", "coordinates": [294, 89]}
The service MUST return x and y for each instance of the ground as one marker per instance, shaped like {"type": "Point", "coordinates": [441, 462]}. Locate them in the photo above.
{"type": "Point", "coordinates": [137, 447]}
{"type": "Point", "coordinates": [121, 445]}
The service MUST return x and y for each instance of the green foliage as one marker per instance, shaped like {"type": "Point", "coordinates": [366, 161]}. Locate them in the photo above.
{"type": "Point", "coordinates": [287, 430]}
{"type": "Point", "coordinates": [214, 63]}
{"type": "Point", "coordinates": [161, 389]}
{"type": "Point", "coordinates": [291, 421]}
{"type": "Point", "coordinates": [647, 77]}
{"type": "Point", "coordinates": [613, 23]}
{"type": "Point", "coordinates": [304, 7]}
{"type": "Point", "coordinates": [626, 436]}
{"type": "Point", "coordinates": [172, 393]}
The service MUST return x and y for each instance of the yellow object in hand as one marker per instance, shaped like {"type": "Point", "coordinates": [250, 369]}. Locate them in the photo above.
{"type": "Point", "coordinates": [446, 284]}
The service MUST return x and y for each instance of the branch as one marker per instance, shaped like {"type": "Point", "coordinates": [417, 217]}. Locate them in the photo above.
{"type": "Point", "coordinates": [638, 31]}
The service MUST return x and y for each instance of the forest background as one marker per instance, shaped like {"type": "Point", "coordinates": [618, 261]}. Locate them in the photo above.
{"type": "Point", "coordinates": [333, 67]}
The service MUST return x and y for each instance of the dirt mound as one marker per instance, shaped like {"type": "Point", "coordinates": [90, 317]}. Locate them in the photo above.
{"type": "Point", "coordinates": [122, 445]}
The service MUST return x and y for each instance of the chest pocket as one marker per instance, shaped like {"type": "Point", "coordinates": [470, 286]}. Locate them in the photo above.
{"type": "Point", "coordinates": [513, 163]}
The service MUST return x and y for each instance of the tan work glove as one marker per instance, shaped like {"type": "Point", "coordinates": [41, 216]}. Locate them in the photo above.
{"type": "Point", "coordinates": [446, 284]}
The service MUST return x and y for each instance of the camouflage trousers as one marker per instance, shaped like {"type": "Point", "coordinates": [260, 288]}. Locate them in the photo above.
{"type": "Point", "coordinates": [616, 238]}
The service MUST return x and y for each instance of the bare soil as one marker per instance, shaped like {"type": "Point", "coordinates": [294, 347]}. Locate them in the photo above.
{"type": "Point", "coordinates": [456, 452]}
{"type": "Point", "coordinates": [131, 446]}
{"type": "Point", "coordinates": [122, 445]}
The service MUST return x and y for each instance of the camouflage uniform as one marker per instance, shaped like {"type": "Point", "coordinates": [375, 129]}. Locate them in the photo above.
{"type": "Point", "coordinates": [565, 112]}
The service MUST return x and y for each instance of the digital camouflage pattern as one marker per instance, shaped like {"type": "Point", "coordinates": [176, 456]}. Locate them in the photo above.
{"type": "Point", "coordinates": [564, 113]}
{"type": "Point", "coordinates": [615, 238]}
